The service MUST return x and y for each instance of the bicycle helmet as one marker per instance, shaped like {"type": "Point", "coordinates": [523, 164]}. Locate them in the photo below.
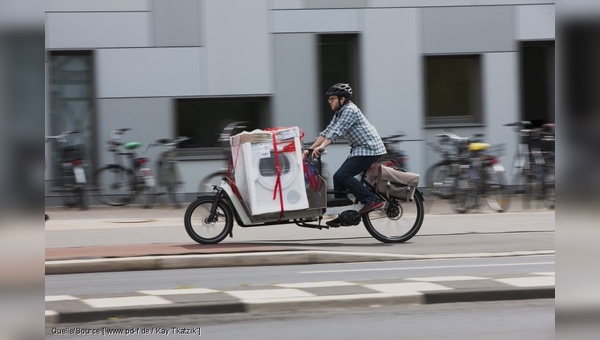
{"type": "Point", "coordinates": [340, 89]}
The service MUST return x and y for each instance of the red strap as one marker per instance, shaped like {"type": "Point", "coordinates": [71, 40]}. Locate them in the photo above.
{"type": "Point", "coordinates": [310, 174]}
{"type": "Point", "coordinates": [278, 181]}
{"type": "Point", "coordinates": [237, 153]}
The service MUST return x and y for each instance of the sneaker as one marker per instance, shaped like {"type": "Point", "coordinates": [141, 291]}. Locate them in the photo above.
{"type": "Point", "coordinates": [377, 204]}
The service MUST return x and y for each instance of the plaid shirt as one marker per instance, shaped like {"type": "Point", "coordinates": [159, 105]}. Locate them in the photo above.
{"type": "Point", "coordinates": [361, 135]}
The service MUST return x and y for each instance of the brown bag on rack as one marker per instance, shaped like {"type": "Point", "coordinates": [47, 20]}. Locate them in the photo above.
{"type": "Point", "coordinates": [393, 183]}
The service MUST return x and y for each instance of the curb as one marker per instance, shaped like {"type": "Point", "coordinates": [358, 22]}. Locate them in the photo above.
{"type": "Point", "coordinates": [341, 301]}
{"type": "Point", "coordinates": [247, 259]}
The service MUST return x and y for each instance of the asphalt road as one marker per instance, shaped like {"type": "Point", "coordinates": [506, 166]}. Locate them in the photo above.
{"type": "Point", "coordinates": [237, 277]}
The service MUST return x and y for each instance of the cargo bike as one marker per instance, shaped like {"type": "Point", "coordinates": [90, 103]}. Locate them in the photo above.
{"type": "Point", "coordinates": [210, 218]}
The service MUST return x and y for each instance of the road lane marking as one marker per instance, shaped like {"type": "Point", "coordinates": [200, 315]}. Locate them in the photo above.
{"type": "Point", "coordinates": [525, 282]}
{"type": "Point", "coordinates": [446, 278]}
{"type": "Point", "coordinates": [426, 267]}
{"type": "Point", "coordinates": [127, 301]}
{"type": "Point", "coordinates": [316, 284]}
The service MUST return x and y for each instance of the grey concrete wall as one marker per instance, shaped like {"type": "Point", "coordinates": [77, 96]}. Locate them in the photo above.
{"type": "Point", "coordinates": [295, 100]}
{"type": "Point", "coordinates": [178, 23]}
{"type": "Point", "coordinates": [392, 77]}
{"type": "Point", "coordinates": [468, 29]}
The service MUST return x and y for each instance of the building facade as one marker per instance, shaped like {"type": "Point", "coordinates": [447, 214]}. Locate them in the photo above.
{"type": "Point", "coordinates": [188, 67]}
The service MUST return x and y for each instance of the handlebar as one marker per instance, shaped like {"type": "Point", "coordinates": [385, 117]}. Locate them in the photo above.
{"type": "Point", "coordinates": [523, 123]}
{"type": "Point", "coordinates": [62, 137]}
{"type": "Point", "coordinates": [229, 128]}
{"type": "Point", "coordinates": [392, 137]}
{"type": "Point", "coordinates": [170, 142]}
{"type": "Point", "coordinates": [117, 133]}
{"type": "Point", "coordinates": [449, 136]}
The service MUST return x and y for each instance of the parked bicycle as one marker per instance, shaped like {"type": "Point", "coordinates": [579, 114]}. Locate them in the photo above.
{"type": "Point", "coordinates": [470, 170]}
{"type": "Point", "coordinates": [441, 176]}
{"type": "Point", "coordinates": [533, 172]}
{"type": "Point", "coordinates": [168, 175]}
{"type": "Point", "coordinates": [68, 169]}
{"type": "Point", "coordinates": [130, 176]}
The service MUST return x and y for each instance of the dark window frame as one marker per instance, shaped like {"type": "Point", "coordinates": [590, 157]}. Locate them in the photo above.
{"type": "Point", "coordinates": [473, 108]}
{"type": "Point", "coordinates": [351, 75]}
{"type": "Point", "coordinates": [204, 151]}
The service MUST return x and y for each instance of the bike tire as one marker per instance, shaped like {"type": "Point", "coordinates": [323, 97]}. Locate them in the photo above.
{"type": "Point", "coordinates": [67, 188]}
{"type": "Point", "coordinates": [441, 180]}
{"type": "Point", "coordinates": [463, 196]}
{"type": "Point", "coordinates": [148, 196]}
{"type": "Point", "coordinates": [207, 183]}
{"type": "Point", "coordinates": [203, 231]}
{"type": "Point", "coordinates": [550, 184]}
{"type": "Point", "coordinates": [80, 194]}
{"type": "Point", "coordinates": [496, 192]}
{"type": "Point", "coordinates": [398, 222]}
{"type": "Point", "coordinates": [113, 185]}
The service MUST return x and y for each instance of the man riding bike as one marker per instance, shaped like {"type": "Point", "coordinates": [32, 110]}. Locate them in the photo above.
{"type": "Point", "coordinates": [366, 147]}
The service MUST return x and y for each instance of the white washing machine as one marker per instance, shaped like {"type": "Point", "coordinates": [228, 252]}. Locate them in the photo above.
{"type": "Point", "coordinates": [256, 175]}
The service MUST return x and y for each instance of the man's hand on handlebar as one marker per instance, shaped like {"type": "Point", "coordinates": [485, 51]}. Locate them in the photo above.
{"type": "Point", "coordinates": [313, 153]}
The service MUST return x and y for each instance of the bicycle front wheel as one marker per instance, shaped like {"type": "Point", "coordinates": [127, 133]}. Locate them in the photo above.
{"type": "Point", "coordinates": [204, 228]}
{"type": "Point", "coordinates": [441, 180]}
{"type": "Point", "coordinates": [398, 222]}
{"type": "Point", "coordinates": [113, 185]}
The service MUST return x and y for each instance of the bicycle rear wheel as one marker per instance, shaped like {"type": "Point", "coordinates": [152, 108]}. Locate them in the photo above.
{"type": "Point", "coordinates": [113, 185]}
{"type": "Point", "coordinates": [398, 222]}
{"type": "Point", "coordinates": [497, 194]}
{"type": "Point", "coordinates": [549, 185]}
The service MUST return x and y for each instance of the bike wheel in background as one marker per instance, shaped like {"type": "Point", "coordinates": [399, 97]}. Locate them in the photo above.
{"type": "Point", "coordinates": [441, 180]}
{"type": "Point", "coordinates": [398, 222]}
{"type": "Point", "coordinates": [207, 183]}
{"type": "Point", "coordinates": [464, 192]}
{"type": "Point", "coordinates": [518, 181]}
{"type": "Point", "coordinates": [113, 185]}
{"type": "Point", "coordinates": [201, 227]}
{"type": "Point", "coordinates": [497, 193]}
{"type": "Point", "coordinates": [173, 185]}
{"type": "Point", "coordinates": [549, 184]}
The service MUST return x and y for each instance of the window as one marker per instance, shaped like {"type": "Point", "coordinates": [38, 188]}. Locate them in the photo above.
{"type": "Point", "coordinates": [452, 89]}
{"type": "Point", "coordinates": [203, 119]}
{"type": "Point", "coordinates": [537, 81]}
{"type": "Point", "coordinates": [72, 95]}
{"type": "Point", "coordinates": [338, 62]}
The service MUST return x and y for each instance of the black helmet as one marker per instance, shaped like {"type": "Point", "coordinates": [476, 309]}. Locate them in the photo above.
{"type": "Point", "coordinates": [340, 89]}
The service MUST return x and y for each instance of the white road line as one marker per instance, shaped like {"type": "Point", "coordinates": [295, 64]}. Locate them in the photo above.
{"type": "Point", "coordinates": [428, 267]}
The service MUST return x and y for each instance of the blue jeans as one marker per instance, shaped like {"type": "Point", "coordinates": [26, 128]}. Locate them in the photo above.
{"type": "Point", "coordinates": [344, 179]}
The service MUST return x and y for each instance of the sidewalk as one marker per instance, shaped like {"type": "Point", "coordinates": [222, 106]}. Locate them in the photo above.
{"type": "Point", "coordinates": [186, 254]}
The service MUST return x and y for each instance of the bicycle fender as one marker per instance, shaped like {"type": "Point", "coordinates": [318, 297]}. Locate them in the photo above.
{"type": "Point", "coordinates": [237, 207]}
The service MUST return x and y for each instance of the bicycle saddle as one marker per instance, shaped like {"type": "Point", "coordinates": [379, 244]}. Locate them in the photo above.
{"type": "Point", "coordinates": [478, 146]}
{"type": "Point", "coordinates": [132, 145]}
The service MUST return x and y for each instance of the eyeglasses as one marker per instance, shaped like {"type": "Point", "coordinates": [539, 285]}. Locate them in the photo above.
{"type": "Point", "coordinates": [331, 99]}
